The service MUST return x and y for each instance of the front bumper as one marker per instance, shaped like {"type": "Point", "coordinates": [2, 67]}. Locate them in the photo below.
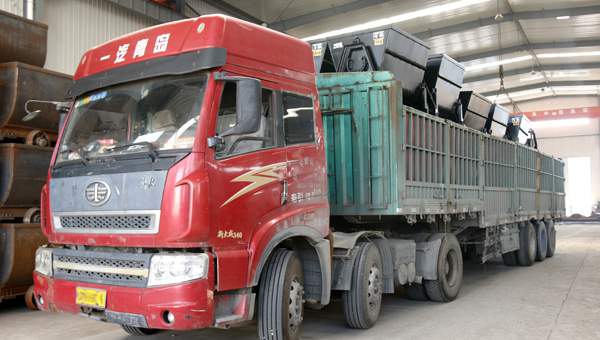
{"type": "Point", "coordinates": [191, 303]}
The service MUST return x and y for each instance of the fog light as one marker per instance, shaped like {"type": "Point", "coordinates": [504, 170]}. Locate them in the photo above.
{"type": "Point", "coordinates": [168, 317]}
{"type": "Point", "coordinates": [41, 299]}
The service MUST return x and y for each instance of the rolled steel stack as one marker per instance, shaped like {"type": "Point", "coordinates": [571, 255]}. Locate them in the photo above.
{"type": "Point", "coordinates": [25, 146]}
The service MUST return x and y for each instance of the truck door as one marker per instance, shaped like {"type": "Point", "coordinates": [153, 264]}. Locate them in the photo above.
{"type": "Point", "coordinates": [246, 183]}
{"type": "Point", "coordinates": [307, 179]}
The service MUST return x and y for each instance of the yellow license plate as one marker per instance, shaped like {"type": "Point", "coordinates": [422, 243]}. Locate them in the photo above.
{"type": "Point", "coordinates": [91, 297]}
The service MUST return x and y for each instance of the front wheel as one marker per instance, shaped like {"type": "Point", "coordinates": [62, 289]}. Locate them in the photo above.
{"type": "Point", "coordinates": [362, 303]}
{"type": "Point", "coordinates": [281, 297]}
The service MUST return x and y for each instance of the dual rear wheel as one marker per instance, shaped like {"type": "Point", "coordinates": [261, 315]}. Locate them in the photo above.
{"type": "Point", "coordinates": [449, 275]}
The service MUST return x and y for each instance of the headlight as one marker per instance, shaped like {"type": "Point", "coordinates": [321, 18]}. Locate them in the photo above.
{"type": "Point", "coordinates": [177, 268]}
{"type": "Point", "coordinates": [43, 261]}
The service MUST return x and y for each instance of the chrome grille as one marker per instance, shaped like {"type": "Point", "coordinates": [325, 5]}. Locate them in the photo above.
{"type": "Point", "coordinates": [122, 269]}
{"type": "Point", "coordinates": [118, 222]}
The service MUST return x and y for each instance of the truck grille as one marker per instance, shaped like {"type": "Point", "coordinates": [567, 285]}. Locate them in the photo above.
{"type": "Point", "coordinates": [121, 269]}
{"type": "Point", "coordinates": [135, 222]}
{"type": "Point", "coordinates": [107, 222]}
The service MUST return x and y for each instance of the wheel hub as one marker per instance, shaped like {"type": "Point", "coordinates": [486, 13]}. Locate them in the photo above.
{"type": "Point", "coordinates": [295, 305]}
{"type": "Point", "coordinates": [374, 291]}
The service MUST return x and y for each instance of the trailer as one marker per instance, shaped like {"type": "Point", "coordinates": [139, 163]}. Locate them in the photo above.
{"type": "Point", "coordinates": [208, 179]}
{"type": "Point", "coordinates": [392, 166]}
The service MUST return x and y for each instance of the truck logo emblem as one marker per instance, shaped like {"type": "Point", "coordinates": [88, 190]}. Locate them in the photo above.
{"type": "Point", "coordinates": [97, 193]}
{"type": "Point", "coordinates": [148, 182]}
{"type": "Point", "coordinates": [257, 178]}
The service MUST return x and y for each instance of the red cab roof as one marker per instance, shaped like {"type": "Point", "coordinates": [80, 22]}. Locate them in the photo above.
{"type": "Point", "coordinates": [241, 39]}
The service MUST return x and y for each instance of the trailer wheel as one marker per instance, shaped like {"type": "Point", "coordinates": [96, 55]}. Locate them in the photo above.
{"type": "Point", "coordinates": [449, 272]}
{"type": "Point", "coordinates": [551, 232]}
{"type": "Point", "coordinates": [362, 303]}
{"type": "Point", "coordinates": [281, 297]}
{"type": "Point", "coordinates": [527, 241]}
{"type": "Point", "coordinates": [138, 331]}
{"type": "Point", "coordinates": [416, 291]}
{"type": "Point", "coordinates": [542, 241]}
{"type": "Point", "coordinates": [510, 258]}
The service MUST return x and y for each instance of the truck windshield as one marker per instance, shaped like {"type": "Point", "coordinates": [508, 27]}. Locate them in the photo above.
{"type": "Point", "coordinates": [145, 116]}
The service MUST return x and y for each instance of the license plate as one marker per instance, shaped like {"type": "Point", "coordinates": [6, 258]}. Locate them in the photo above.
{"type": "Point", "coordinates": [91, 297]}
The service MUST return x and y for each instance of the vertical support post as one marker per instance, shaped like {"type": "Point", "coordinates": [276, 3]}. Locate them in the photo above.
{"type": "Point", "coordinates": [447, 195]}
{"type": "Point", "coordinates": [481, 178]}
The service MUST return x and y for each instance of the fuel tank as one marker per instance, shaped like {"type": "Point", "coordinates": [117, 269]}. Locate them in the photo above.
{"type": "Point", "coordinates": [20, 82]}
{"type": "Point", "coordinates": [23, 170]}
{"type": "Point", "coordinates": [26, 42]}
{"type": "Point", "coordinates": [18, 243]}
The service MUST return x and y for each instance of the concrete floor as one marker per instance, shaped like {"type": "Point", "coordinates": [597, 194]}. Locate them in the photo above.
{"type": "Point", "coordinates": [556, 299]}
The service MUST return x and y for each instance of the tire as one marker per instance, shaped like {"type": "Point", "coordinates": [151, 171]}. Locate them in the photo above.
{"type": "Point", "coordinates": [449, 272]}
{"type": "Point", "coordinates": [281, 291]}
{"type": "Point", "coordinates": [138, 331]}
{"type": "Point", "coordinates": [30, 301]}
{"type": "Point", "coordinates": [542, 241]}
{"type": "Point", "coordinates": [551, 232]}
{"type": "Point", "coordinates": [362, 303]}
{"type": "Point", "coordinates": [527, 242]}
{"type": "Point", "coordinates": [416, 291]}
{"type": "Point", "coordinates": [510, 258]}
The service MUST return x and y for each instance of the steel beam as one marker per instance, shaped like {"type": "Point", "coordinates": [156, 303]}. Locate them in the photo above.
{"type": "Point", "coordinates": [524, 100]}
{"type": "Point", "coordinates": [544, 84]}
{"type": "Point", "coordinates": [527, 15]}
{"type": "Point", "coordinates": [302, 20]}
{"type": "Point", "coordinates": [233, 11]}
{"type": "Point", "coordinates": [526, 47]}
{"type": "Point", "coordinates": [525, 70]}
{"type": "Point", "coordinates": [149, 9]}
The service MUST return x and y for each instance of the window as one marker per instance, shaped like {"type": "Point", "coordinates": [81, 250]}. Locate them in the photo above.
{"type": "Point", "coordinates": [159, 114]}
{"type": "Point", "coordinates": [298, 119]}
{"type": "Point", "coordinates": [226, 119]}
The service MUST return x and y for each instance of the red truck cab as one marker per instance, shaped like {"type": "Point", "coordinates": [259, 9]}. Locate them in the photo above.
{"type": "Point", "coordinates": [192, 155]}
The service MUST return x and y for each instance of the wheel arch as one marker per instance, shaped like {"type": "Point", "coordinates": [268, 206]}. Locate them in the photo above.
{"type": "Point", "coordinates": [315, 254]}
{"type": "Point", "coordinates": [347, 241]}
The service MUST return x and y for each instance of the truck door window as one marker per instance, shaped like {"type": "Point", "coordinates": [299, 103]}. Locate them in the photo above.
{"type": "Point", "coordinates": [226, 119]}
{"type": "Point", "coordinates": [298, 119]}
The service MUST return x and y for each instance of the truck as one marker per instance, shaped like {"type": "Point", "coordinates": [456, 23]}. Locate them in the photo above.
{"type": "Point", "coordinates": [205, 177]}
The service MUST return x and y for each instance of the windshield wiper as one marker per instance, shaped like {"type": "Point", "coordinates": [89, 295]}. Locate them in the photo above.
{"type": "Point", "coordinates": [82, 159]}
{"type": "Point", "coordinates": [151, 148]}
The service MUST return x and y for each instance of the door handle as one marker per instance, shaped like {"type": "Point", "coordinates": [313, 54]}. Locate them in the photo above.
{"type": "Point", "coordinates": [284, 192]}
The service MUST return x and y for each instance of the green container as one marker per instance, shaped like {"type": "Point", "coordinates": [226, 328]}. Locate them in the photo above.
{"type": "Point", "coordinates": [384, 158]}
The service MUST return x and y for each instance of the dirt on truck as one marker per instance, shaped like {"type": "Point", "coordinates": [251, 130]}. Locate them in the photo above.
{"type": "Point", "coordinates": [206, 176]}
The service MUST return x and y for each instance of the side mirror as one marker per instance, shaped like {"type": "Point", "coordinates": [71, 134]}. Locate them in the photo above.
{"type": "Point", "coordinates": [61, 107]}
{"type": "Point", "coordinates": [248, 106]}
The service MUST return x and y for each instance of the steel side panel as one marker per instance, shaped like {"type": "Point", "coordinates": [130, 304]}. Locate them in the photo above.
{"type": "Point", "coordinates": [434, 167]}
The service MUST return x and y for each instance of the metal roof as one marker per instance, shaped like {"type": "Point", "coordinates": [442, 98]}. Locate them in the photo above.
{"type": "Point", "coordinates": [552, 47]}
{"type": "Point", "coordinates": [557, 39]}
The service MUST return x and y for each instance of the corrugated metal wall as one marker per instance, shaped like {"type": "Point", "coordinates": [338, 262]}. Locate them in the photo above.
{"type": "Point", "coordinates": [74, 26]}
{"type": "Point", "coordinates": [12, 6]}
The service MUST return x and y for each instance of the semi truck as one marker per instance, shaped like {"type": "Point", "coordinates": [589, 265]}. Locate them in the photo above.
{"type": "Point", "coordinates": [206, 177]}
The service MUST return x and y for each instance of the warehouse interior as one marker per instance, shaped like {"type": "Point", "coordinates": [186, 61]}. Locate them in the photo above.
{"type": "Point", "coordinates": [538, 58]}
